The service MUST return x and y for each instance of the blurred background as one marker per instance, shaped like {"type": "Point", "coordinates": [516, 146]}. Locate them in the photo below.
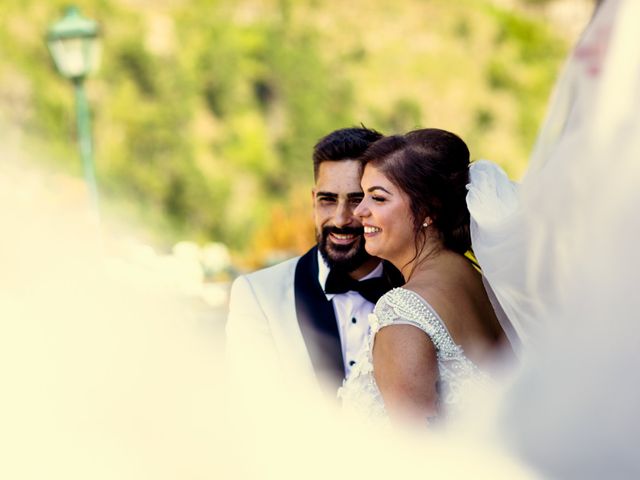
{"type": "Point", "coordinates": [204, 112]}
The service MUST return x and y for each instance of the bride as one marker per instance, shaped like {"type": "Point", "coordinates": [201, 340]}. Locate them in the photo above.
{"type": "Point", "coordinates": [438, 334]}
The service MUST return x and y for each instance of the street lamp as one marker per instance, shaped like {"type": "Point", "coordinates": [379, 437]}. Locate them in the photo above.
{"type": "Point", "coordinates": [73, 44]}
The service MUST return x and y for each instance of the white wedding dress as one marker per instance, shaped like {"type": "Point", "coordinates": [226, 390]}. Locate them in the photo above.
{"type": "Point", "coordinates": [360, 394]}
{"type": "Point", "coordinates": [493, 204]}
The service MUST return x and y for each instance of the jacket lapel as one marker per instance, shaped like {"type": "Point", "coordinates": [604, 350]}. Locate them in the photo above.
{"type": "Point", "coordinates": [317, 321]}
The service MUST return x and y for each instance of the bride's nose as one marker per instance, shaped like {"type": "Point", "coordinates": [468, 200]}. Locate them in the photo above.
{"type": "Point", "coordinates": [361, 210]}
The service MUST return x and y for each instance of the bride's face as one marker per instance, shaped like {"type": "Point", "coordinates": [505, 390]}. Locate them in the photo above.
{"type": "Point", "coordinates": [386, 217]}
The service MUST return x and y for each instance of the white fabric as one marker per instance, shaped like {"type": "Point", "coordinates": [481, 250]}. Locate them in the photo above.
{"type": "Point", "coordinates": [565, 265]}
{"type": "Point", "coordinates": [348, 306]}
{"type": "Point", "coordinates": [264, 340]}
{"type": "Point", "coordinates": [530, 242]}
{"type": "Point", "coordinates": [360, 394]}
{"type": "Point", "coordinates": [498, 233]}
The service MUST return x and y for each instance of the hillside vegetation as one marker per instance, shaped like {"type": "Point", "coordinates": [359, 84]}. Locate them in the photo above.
{"type": "Point", "coordinates": [205, 111]}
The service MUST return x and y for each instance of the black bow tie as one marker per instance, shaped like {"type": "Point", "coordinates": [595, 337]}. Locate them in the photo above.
{"type": "Point", "coordinates": [371, 289]}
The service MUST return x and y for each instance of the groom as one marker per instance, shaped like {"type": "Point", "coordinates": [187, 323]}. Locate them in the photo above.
{"type": "Point", "coordinates": [306, 319]}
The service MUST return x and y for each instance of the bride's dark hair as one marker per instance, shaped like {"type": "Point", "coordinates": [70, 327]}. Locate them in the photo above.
{"type": "Point", "coordinates": [431, 166]}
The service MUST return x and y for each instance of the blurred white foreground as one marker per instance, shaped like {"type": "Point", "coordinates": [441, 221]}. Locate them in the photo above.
{"type": "Point", "coordinates": [573, 412]}
{"type": "Point", "coordinates": [102, 376]}
{"type": "Point", "coordinates": [108, 374]}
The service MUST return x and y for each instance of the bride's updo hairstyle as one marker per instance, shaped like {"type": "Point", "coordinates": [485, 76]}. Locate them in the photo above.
{"type": "Point", "coordinates": [431, 167]}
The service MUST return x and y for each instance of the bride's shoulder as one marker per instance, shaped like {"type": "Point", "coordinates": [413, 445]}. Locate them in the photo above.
{"type": "Point", "coordinates": [440, 298]}
{"type": "Point", "coordinates": [403, 303]}
{"type": "Point", "coordinates": [436, 291]}
{"type": "Point", "coordinates": [405, 306]}
{"type": "Point", "coordinates": [398, 297]}
{"type": "Point", "coordinates": [452, 291]}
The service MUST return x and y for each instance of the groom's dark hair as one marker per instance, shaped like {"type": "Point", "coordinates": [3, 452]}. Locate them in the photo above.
{"type": "Point", "coordinates": [343, 144]}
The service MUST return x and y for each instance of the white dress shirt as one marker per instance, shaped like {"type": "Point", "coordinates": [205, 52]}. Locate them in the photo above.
{"type": "Point", "coordinates": [352, 312]}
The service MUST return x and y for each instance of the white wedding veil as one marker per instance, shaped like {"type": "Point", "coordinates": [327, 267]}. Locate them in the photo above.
{"type": "Point", "coordinates": [531, 239]}
{"type": "Point", "coordinates": [498, 235]}
{"type": "Point", "coordinates": [560, 253]}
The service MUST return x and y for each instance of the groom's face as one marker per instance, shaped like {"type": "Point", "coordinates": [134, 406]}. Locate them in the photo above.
{"type": "Point", "coordinates": [335, 196]}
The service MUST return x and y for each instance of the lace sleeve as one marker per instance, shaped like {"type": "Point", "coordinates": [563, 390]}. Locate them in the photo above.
{"type": "Point", "coordinates": [401, 306]}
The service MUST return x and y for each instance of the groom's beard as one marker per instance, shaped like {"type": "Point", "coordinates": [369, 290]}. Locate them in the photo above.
{"type": "Point", "coordinates": [345, 257]}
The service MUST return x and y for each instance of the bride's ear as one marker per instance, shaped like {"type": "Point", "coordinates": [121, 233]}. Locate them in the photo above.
{"type": "Point", "coordinates": [427, 222]}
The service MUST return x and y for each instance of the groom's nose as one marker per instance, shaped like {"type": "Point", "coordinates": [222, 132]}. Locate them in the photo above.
{"type": "Point", "coordinates": [343, 215]}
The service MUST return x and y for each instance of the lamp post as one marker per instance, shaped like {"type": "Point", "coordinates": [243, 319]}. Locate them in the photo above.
{"type": "Point", "coordinates": [73, 44]}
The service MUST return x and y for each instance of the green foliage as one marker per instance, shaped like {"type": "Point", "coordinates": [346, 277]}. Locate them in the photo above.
{"type": "Point", "coordinates": [205, 111]}
{"type": "Point", "coordinates": [529, 44]}
{"type": "Point", "coordinates": [405, 115]}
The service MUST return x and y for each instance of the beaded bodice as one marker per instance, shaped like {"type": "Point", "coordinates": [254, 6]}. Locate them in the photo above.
{"type": "Point", "coordinates": [361, 395]}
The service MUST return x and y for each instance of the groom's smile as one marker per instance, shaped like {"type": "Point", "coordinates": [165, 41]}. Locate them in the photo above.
{"type": "Point", "coordinates": [341, 243]}
{"type": "Point", "coordinates": [345, 237]}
